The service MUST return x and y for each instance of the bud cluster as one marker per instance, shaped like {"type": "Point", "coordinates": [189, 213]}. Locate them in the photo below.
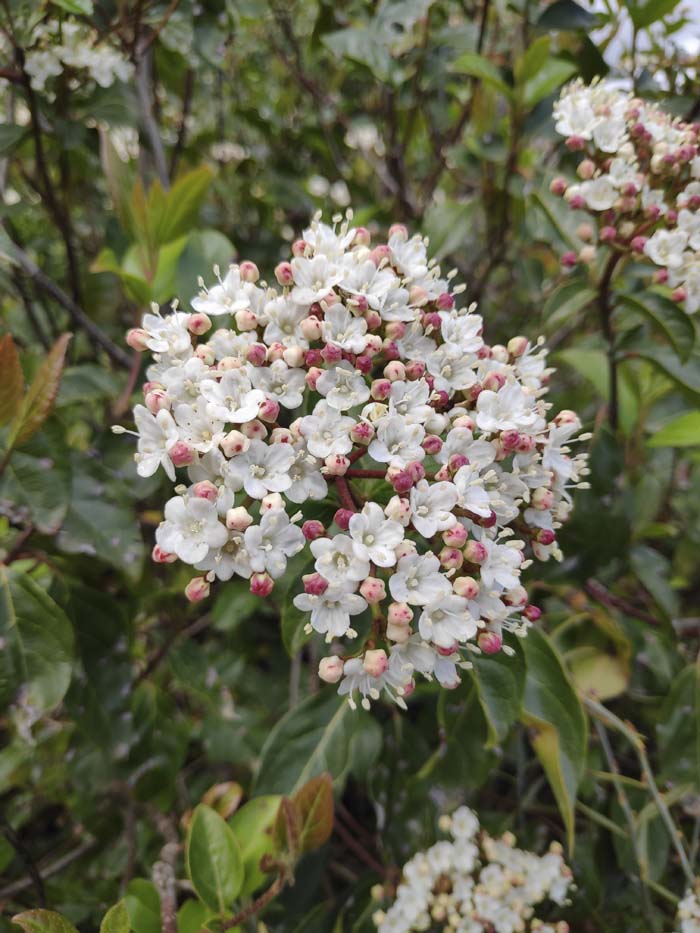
{"type": "Point", "coordinates": [476, 883]}
{"type": "Point", "coordinates": [640, 180]}
{"type": "Point", "coordinates": [356, 412]}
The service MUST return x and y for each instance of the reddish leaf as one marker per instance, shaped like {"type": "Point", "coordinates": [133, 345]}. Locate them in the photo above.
{"type": "Point", "coordinates": [309, 818]}
{"type": "Point", "coordinates": [42, 393]}
{"type": "Point", "coordinates": [12, 383]}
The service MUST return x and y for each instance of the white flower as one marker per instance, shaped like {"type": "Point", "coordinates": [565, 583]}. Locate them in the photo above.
{"type": "Point", "coordinates": [190, 529]}
{"type": "Point", "coordinates": [343, 329]}
{"type": "Point", "coordinates": [231, 398]}
{"type": "Point", "coordinates": [232, 558]}
{"type": "Point", "coordinates": [284, 320]}
{"type": "Point", "coordinates": [409, 256]}
{"type": "Point", "coordinates": [343, 386]}
{"type": "Point", "coordinates": [447, 621]}
{"type": "Point", "coordinates": [270, 543]}
{"type": "Point", "coordinates": [337, 561]}
{"type": "Point", "coordinates": [326, 241]}
{"type": "Point", "coordinates": [374, 536]}
{"type": "Point", "coordinates": [261, 469]}
{"type": "Point", "coordinates": [502, 566]}
{"type": "Point", "coordinates": [508, 409]}
{"type": "Point", "coordinates": [410, 400]}
{"type": "Point", "coordinates": [168, 334]}
{"type": "Point", "coordinates": [228, 297]}
{"type": "Point", "coordinates": [431, 507]}
{"type": "Point", "coordinates": [198, 428]}
{"type": "Point", "coordinates": [326, 432]}
{"type": "Point", "coordinates": [331, 611]}
{"type": "Point", "coordinates": [462, 331]}
{"type": "Point", "coordinates": [470, 488]}
{"type": "Point", "coordinates": [453, 369]}
{"type": "Point", "coordinates": [397, 442]}
{"type": "Point", "coordinates": [157, 434]}
{"type": "Point", "coordinates": [599, 193]}
{"type": "Point", "coordinates": [279, 383]}
{"type": "Point", "coordinates": [367, 280]}
{"type": "Point", "coordinates": [182, 381]}
{"type": "Point", "coordinates": [307, 480]}
{"type": "Point", "coordinates": [666, 247]}
{"type": "Point", "coordinates": [418, 580]}
{"type": "Point", "coordinates": [314, 278]}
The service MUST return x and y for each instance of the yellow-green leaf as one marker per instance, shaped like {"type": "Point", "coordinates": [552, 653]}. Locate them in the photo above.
{"type": "Point", "coordinates": [116, 920]}
{"type": "Point", "coordinates": [43, 921]}
{"type": "Point", "coordinates": [12, 382]}
{"type": "Point", "coordinates": [213, 857]}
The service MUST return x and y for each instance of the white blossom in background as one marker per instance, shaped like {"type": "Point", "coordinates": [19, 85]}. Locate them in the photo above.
{"type": "Point", "coordinates": [475, 883]}
{"type": "Point", "coordinates": [688, 917]}
{"type": "Point", "coordinates": [353, 418]}
{"type": "Point", "coordinates": [640, 180]}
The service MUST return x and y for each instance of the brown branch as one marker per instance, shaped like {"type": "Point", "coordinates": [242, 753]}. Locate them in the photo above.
{"type": "Point", "coordinates": [605, 309]}
{"type": "Point", "coordinates": [160, 654]}
{"type": "Point", "coordinates": [352, 843]}
{"type": "Point", "coordinates": [80, 318]}
{"type": "Point", "coordinates": [602, 595]}
{"type": "Point", "coordinates": [258, 904]}
{"type": "Point", "coordinates": [48, 870]}
{"type": "Point", "coordinates": [35, 878]}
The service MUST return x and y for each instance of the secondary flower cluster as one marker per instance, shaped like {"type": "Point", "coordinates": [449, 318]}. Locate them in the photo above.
{"type": "Point", "coordinates": [640, 179]}
{"type": "Point", "coordinates": [73, 45]}
{"type": "Point", "coordinates": [688, 917]}
{"type": "Point", "coordinates": [474, 883]}
{"type": "Point", "coordinates": [357, 412]}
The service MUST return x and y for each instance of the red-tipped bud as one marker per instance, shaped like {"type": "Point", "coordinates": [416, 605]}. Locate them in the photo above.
{"type": "Point", "coordinates": [181, 454]}
{"type": "Point", "coordinates": [257, 354]}
{"type": "Point", "coordinates": [314, 584]}
{"type": "Point", "coordinates": [198, 324]}
{"type": "Point", "coordinates": [159, 556]}
{"type": "Point", "coordinates": [137, 339]}
{"type": "Point", "coordinates": [330, 669]}
{"type": "Point", "coordinates": [261, 584]}
{"type": "Point", "coordinates": [284, 273]}
{"type": "Point", "coordinates": [342, 518]}
{"type": "Point", "coordinates": [269, 411]}
{"type": "Point", "coordinates": [532, 613]}
{"type": "Point", "coordinates": [489, 642]}
{"type": "Point", "coordinates": [373, 590]}
{"type": "Point", "coordinates": [475, 552]}
{"type": "Point", "coordinates": [197, 589]}
{"type": "Point", "coordinates": [205, 490]}
{"type": "Point", "coordinates": [466, 587]}
{"type": "Point", "coordinates": [456, 536]}
{"type": "Point", "coordinates": [313, 529]}
{"type": "Point", "coordinates": [249, 271]}
{"type": "Point", "coordinates": [375, 662]}
{"type": "Point", "coordinates": [336, 465]}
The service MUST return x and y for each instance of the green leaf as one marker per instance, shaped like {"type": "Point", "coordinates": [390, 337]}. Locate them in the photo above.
{"type": "Point", "coordinates": [479, 67]}
{"type": "Point", "coordinates": [566, 14]}
{"type": "Point", "coordinates": [553, 73]}
{"type": "Point", "coordinates": [119, 178]}
{"type": "Point", "coordinates": [192, 916]}
{"type": "Point", "coordinates": [558, 726]}
{"type": "Point", "coordinates": [644, 14]}
{"type": "Point", "coordinates": [143, 904]}
{"type": "Point", "coordinates": [79, 7]}
{"type": "Point", "coordinates": [38, 478]}
{"type": "Point", "coordinates": [116, 920]}
{"type": "Point", "coordinates": [10, 137]}
{"type": "Point", "coordinates": [667, 318]}
{"type": "Point", "coordinates": [213, 857]}
{"type": "Point", "coordinates": [314, 804]}
{"type": "Point", "coordinates": [315, 736]}
{"type": "Point", "coordinates": [653, 571]}
{"type": "Point", "coordinates": [448, 225]}
{"type": "Point", "coordinates": [683, 431]}
{"type": "Point", "coordinates": [360, 44]}
{"type": "Point", "coordinates": [593, 365]}
{"type": "Point", "coordinates": [679, 729]}
{"type": "Point", "coordinates": [686, 375]}
{"type": "Point", "coordinates": [41, 395]}
{"type": "Point", "coordinates": [529, 64]}
{"type": "Point", "coordinates": [12, 384]}
{"type": "Point", "coordinates": [43, 921]}
{"type": "Point", "coordinates": [179, 209]}
{"type": "Point", "coordinates": [252, 826]}
{"type": "Point", "coordinates": [135, 286]}
{"type": "Point", "coordinates": [500, 681]}
{"type": "Point", "coordinates": [203, 250]}
{"type": "Point", "coordinates": [38, 641]}
{"type": "Point", "coordinates": [566, 303]}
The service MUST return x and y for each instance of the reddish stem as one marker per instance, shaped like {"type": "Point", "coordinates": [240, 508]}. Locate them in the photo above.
{"type": "Point", "coordinates": [366, 474]}
{"type": "Point", "coordinates": [344, 494]}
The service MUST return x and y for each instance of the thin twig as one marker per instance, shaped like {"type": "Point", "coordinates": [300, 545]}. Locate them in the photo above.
{"type": "Point", "coordinates": [602, 595]}
{"type": "Point", "coordinates": [143, 91]}
{"type": "Point", "coordinates": [47, 871]}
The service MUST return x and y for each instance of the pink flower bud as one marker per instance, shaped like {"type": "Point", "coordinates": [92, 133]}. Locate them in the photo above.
{"type": "Point", "coordinates": [395, 371]}
{"type": "Point", "coordinates": [445, 302]}
{"type": "Point", "coordinates": [275, 352]}
{"type": "Point", "coordinates": [206, 354]}
{"type": "Point", "coordinates": [401, 481]}
{"type": "Point", "coordinates": [679, 294]}
{"type": "Point", "coordinates": [269, 411]}
{"type": "Point", "coordinates": [671, 218]}
{"type": "Point", "coordinates": [342, 518]}
{"type": "Point", "coordinates": [466, 587]}
{"type": "Point", "coordinates": [391, 350]}
{"type": "Point", "coordinates": [198, 323]}
{"type": "Point", "coordinates": [398, 510]}
{"type": "Point", "coordinates": [542, 498]}
{"type": "Point", "coordinates": [456, 536]}
{"type": "Point", "coordinates": [151, 386]}
{"type": "Point", "coordinates": [558, 186]}
{"type": "Point", "coordinates": [638, 243]}
{"type": "Point", "coordinates": [159, 556]}
{"type": "Point", "coordinates": [336, 465]}
{"type": "Point", "coordinates": [312, 328]}
{"type": "Point", "coordinates": [281, 436]}
{"type": "Point", "coordinates": [245, 320]}
{"type": "Point", "coordinates": [400, 231]}
{"type": "Point", "coordinates": [443, 474]}
{"type": "Point", "coordinates": [137, 339]}
{"type": "Point", "coordinates": [395, 330]}
{"type": "Point", "coordinates": [432, 444]}
{"type": "Point", "coordinates": [489, 642]}
{"type": "Point", "coordinates": [330, 669]}
{"type": "Point", "coordinates": [399, 613]}
{"type": "Point", "coordinates": [331, 354]}
{"type": "Point", "coordinates": [373, 318]}
{"type": "Point", "coordinates": [451, 558]}
{"type": "Point", "coordinates": [576, 202]}
{"type": "Point", "coordinates": [257, 354]}
{"type": "Point", "coordinates": [157, 400]}
{"type": "Point", "coordinates": [313, 529]}
{"type": "Point", "coordinates": [575, 143]}
{"type": "Point", "coordinates": [362, 237]}
{"type": "Point", "coordinates": [607, 234]}
{"type": "Point", "coordinates": [464, 421]}
{"type": "Point", "coordinates": [494, 381]}
{"type": "Point", "coordinates": [235, 443]}
{"type": "Point", "coordinates": [446, 650]}
{"type": "Point", "coordinates": [255, 430]}
{"type": "Point", "coordinates": [238, 519]}
{"type": "Point", "coordinates": [517, 346]}
{"type": "Point", "coordinates": [586, 169]}
{"type": "Point", "coordinates": [375, 662]}
{"type": "Point", "coordinates": [415, 369]}
{"type": "Point", "coordinates": [545, 537]}
{"type": "Point", "coordinates": [249, 271]}
{"type": "Point", "coordinates": [314, 584]}
{"type": "Point", "coordinates": [205, 490]}
{"type": "Point", "coordinates": [440, 399]}
{"type": "Point", "coordinates": [475, 552]}
{"type": "Point", "coordinates": [299, 247]}
{"type": "Point", "coordinates": [398, 632]}
{"type": "Point", "coordinates": [181, 454]}
{"type": "Point", "coordinates": [566, 416]}
{"type": "Point", "coordinates": [312, 376]}
{"type": "Point", "coordinates": [660, 277]}
{"type": "Point", "coordinates": [527, 444]}
{"type": "Point", "coordinates": [373, 590]}
{"type": "Point", "coordinates": [197, 589]}
{"type": "Point", "coordinates": [585, 232]}
{"type": "Point", "coordinates": [456, 462]}
{"type": "Point", "coordinates": [362, 433]}
{"type": "Point", "coordinates": [510, 439]}
{"type": "Point", "coordinates": [261, 584]}
{"type": "Point", "coordinates": [284, 273]}
{"type": "Point", "coordinates": [417, 295]}
{"type": "Point", "coordinates": [405, 549]}
{"type": "Point", "coordinates": [380, 389]}
{"type": "Point", "coordinates": [379, 254]}
{"type": "Point", "coordinates": [270, 502]}
{"type": "Point", "coordinates": [515, 597]}
{"type": "Point", "coordinates": [532, 613]}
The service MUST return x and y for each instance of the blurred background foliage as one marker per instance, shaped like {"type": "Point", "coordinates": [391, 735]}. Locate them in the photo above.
{"type": "Point", "coordinates": [122, 706]}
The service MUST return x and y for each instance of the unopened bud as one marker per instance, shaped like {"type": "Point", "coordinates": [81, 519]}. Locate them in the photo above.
{"type": "Point", "coordinates": [235, 443]}
{"type": "Point", "coordinates": [375, 662]}
{"type": "Point", "coordinates": [261, 584]}
{"type": "Point", "coordinates": [330, 669]}
{"type": "Point", "coordinates": [197, 589]}
{"type": "Point", "coordinates": [373, 590]}
{"type": "Point", "coordinates": [198, 323]}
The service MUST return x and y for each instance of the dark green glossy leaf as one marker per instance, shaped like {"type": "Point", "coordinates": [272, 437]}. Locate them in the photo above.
{"type": "Point", "coordinates": [214, 861]}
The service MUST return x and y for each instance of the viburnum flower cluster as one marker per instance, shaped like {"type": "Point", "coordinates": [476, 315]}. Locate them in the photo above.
{"type": "Point", "coordinates": [640, 180]}
{"type": "Point", "coordinates": [356, 412]}
{"type": "Point", "coordinates": [75, 46]}
{"type": "Point", "coordinates": [688, 917]}
{"type": "Point", "coordinates": [475, 883]}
